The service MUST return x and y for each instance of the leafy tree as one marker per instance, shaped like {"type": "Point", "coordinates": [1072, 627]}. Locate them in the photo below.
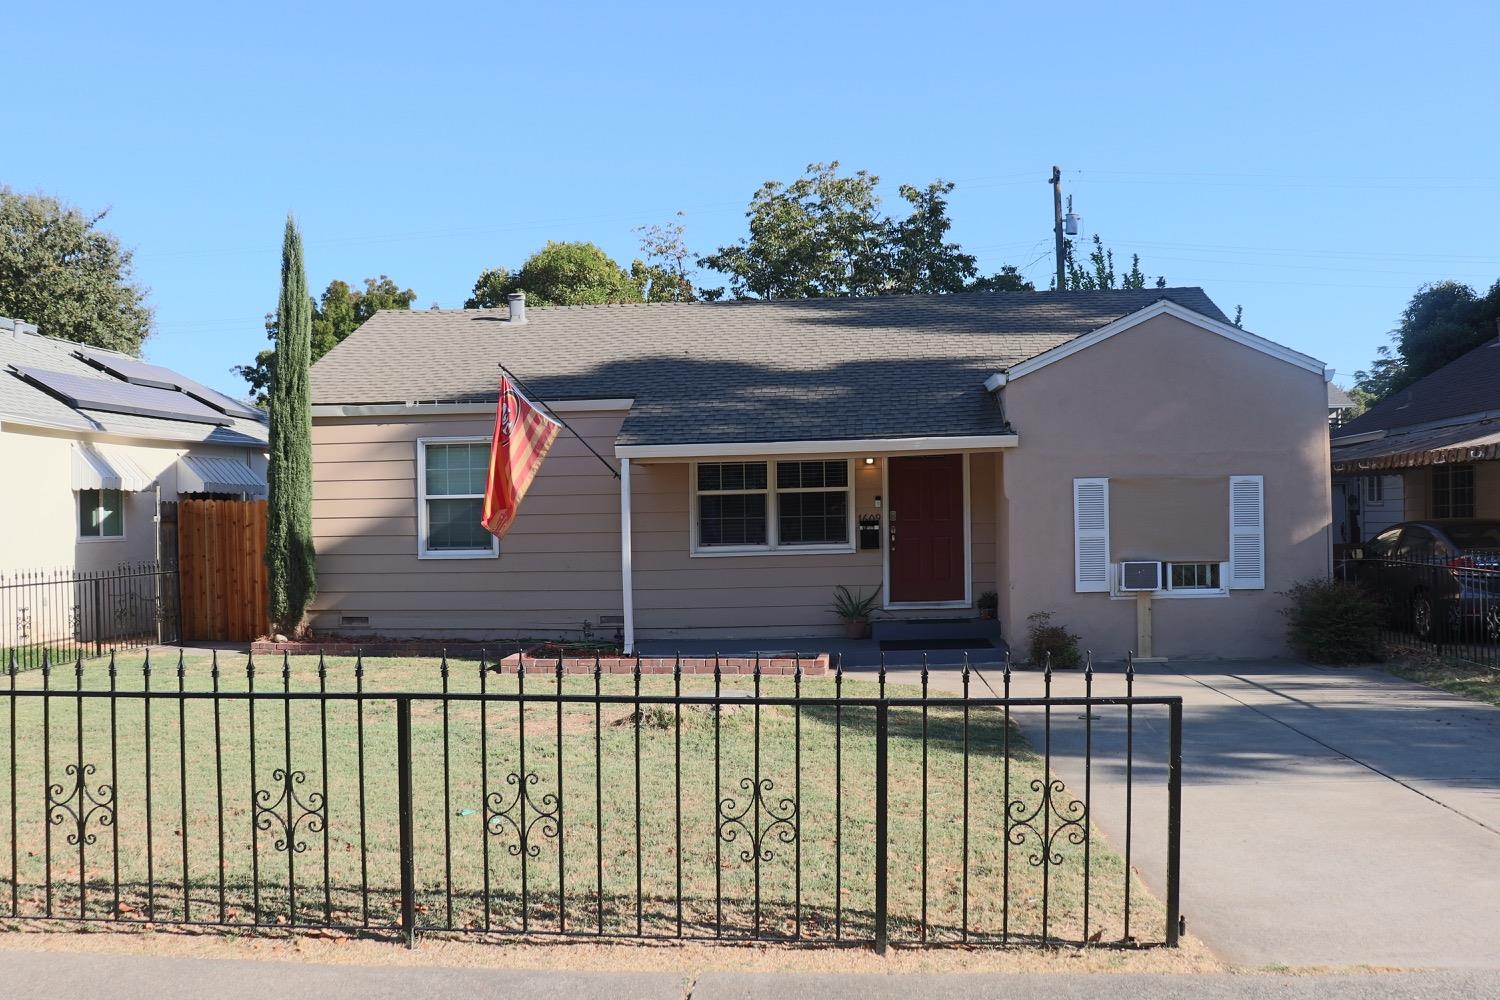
{"type": "Point", "coordinates": [1008, 279]}
{"type": "Point", "coordinates": [664, 275]}
{"type": "Point", "coordinates": [825, 235]}
{"type": "Point", "coordinates": [821, 235]}
{"type": "Point", "coordinates": [1442, 322]}
{"type": "Point", "coordinates": [71, 278]}
{"type": "Point", "coordinates": [341, 311]}
{"type": "Point", "coordinates": [559, 274]}
{"type": "Point", "coordinates": [922, 260]}
{"type": "Point", "coordinates": [289, 546]}
{"type": "Point", "coordinates": [1099, 273]}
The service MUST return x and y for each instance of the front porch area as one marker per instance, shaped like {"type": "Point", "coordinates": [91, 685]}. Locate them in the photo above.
{"type": "Point", "coordinates": [901, 643]}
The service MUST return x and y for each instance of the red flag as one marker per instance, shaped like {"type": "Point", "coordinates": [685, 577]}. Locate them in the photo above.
{"type": "Point", "coordinates": [523, 436]}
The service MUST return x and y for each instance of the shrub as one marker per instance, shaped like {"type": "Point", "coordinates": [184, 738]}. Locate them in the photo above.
{"type": "Point", "coordinates": [1045, 637]}
{"type": "Point", "coordinates": [1333, 621]}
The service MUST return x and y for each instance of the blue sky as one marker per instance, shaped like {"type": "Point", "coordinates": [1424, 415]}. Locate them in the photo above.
{"type": "Point", "coordinates": [1314, 163]}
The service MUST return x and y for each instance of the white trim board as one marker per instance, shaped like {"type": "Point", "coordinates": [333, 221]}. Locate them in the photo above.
{"type": "Point", "coordinates": [860, 446]}
{"type": "Point", "coordinates": [474, 408]}
{"type": "Point", "coordinates": [885, 548]}
{"type": "Point", "coordinates": [1166, 307]}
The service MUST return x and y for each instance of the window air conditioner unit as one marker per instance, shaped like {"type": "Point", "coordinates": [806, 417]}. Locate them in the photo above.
{"type": "Point", "coordinates": [1139, 576]}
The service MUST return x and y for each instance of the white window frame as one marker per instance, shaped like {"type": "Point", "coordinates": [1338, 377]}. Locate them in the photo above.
{"type": "Point", "coordinates": [1167, 592]}
{"type": "Point", "coordinates": [1374, 489]}
{"type": "Point", "coordinates": [773, 546]}
{"type": "Point", "coordinates": [1222, 590]}
{"type": "Point", "coordinates": [493, 552]}
{"type": "Point", "coordinates": [78, 516]}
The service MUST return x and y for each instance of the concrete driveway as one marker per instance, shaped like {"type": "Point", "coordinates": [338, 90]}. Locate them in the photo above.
{"type": "Point", "coordinates": [1331, 816]}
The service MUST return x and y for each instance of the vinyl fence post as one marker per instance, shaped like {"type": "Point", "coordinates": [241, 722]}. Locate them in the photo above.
{"type": "Point", "coordinates": [403, 806]}
{"type": "Point", "coordinates": [882, 729]}
{"type": "Point", "coordinates": [1174, 826]}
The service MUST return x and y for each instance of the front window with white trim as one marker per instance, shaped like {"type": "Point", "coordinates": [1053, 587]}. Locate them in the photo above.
{"type": "Point", "coordinates": [101, 514]}
{"type": "Point", "coordinates": [802, 505]}
{"type": "Point", "coordinates": [451, 475]}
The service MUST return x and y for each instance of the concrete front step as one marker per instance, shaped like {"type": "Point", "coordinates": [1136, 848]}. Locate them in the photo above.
{"type": "Point", "coordinates": [917, 629]}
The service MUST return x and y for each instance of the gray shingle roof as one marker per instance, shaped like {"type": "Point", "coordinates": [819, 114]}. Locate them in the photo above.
{"type": "Point", "coordinates": [24, 403]}
{"type": "Point", "coordinates": [820, 369]}
{"type": "Point", "coordinates": [1468, 384]}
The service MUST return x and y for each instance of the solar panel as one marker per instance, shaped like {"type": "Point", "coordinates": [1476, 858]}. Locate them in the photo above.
{"type": "Point", "coordinates": [109, 396]}
{"type": "Point", "coordinates": [141, 373]}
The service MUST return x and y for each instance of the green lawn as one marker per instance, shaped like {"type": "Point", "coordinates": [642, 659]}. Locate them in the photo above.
{"type": "Point", "coordinates": [450, 823]}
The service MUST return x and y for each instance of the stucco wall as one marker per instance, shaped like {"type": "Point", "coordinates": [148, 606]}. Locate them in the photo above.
{"type": "Point", "coordinates": [40, 507]}
{"type": "Point", "coordinates": [559, 565]}
{"type": "Point", "coordinates": [1164, 398]}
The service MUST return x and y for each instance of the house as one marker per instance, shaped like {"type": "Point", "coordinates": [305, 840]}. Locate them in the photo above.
{"type": "Point", "coordinates": [1431, 450]}
{"type": "Point", "coordinates": [1339, 406]}
{"type": "Point", "coordinates": [93, 440]}
{"type": "Point", "coordinates": [934, 447]}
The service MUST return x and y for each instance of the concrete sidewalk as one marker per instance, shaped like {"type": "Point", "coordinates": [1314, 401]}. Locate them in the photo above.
{"type": "Point", "coordinates": [1330, 816]}
{"type": "Point", "coordinates": [35, 974]}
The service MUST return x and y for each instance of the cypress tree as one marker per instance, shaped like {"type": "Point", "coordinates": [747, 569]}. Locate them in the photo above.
{"type": "Point", "coordinates": [289, 546]}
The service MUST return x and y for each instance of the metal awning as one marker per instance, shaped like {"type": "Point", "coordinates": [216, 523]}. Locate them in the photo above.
{"type": "Point", "coordinates": [203, 474]}
{"type": "Point", "coordinates": [1474, 441]}
{"type": "Point", "coordinates": [98, 468]}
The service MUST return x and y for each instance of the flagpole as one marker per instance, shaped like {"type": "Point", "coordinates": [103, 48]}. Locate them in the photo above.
{"type": "Point", "coordinates": [533, 396]}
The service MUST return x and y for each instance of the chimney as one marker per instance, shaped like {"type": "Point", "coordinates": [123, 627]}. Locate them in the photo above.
{"type": "Point", "coordinates": [517, 301]}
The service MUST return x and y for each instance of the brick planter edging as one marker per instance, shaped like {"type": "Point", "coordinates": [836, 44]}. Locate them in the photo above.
{"type": "Point", "coordinates": [779, 666]}
{"type": "Point", "coordinates": [769, 666]}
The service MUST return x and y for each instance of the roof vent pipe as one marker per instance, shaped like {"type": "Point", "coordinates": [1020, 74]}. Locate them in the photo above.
{"type": "Point", "coordinates": [517, 301]}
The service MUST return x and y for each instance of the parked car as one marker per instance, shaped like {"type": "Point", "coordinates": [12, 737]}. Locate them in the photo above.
{"type": "Point", "coordinates": [1439, 579]}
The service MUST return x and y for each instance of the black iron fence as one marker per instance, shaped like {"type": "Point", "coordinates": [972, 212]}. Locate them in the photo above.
{"type": "Point", "coordinates": [1447, 606]}
{"type": "Point", "coordinates": [64, 614]}
{"type": "Point", "coordinates": [617, 801]}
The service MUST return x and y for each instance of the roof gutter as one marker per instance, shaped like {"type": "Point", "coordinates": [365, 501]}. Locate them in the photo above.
{"type": "Point", "coordinates": [860, 446]}
{"type": "Point", "coordinates": [472, 408]}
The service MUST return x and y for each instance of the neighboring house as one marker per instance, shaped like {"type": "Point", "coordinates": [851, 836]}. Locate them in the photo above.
{"type": "Point", "coordinates": [1431, 450]}
{"type": "Point", "coordinates": [91, 440]}
{"type": "Point", "coordinates": [1339, 405]}
{"type": "Point", "coordinates": [935, 447]}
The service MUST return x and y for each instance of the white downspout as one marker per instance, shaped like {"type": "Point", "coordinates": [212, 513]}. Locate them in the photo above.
{"type": "Point", "coordinates": [627, 587]}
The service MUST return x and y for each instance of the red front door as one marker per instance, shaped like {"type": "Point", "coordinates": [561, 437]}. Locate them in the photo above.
{"type": "Point", "coordinates": [925, 520]}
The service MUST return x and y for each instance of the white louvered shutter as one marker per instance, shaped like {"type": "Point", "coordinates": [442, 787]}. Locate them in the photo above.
{"type": "Point", "coordinates": [1247, 533]}
{"type": "Point", "coordinates": [1091, 535]}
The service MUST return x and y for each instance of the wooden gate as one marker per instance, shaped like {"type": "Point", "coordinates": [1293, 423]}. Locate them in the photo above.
{"type": "Point", "coordinates": [221, 553]}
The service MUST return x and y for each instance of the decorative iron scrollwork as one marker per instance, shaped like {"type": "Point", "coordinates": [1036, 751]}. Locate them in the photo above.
{"type": "Point", "coordinates": [81, 804]}
{"type": "Point", "coordinates": [501, 814]}
{"type": "Point", "coordinates": [307, 814]}
{"type": "Point", "coordinates": [23, 623]}
{"type": "Point", "coordinates": [1023, 825]}
{"type": "Point", "coordinates": [780, 816]}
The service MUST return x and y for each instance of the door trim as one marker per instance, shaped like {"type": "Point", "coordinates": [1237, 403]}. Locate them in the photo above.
{"type": "Point", "coordinates": [885, 547]}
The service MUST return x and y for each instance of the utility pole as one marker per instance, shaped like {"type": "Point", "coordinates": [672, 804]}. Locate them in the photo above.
{"type": "Point", "coordinates": [1057, 228]}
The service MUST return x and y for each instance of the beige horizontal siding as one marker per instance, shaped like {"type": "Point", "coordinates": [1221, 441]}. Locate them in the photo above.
{"type": "Point", "coordinates": [559, 564]}
{"type": "Point", "coordinates": [782, 594]}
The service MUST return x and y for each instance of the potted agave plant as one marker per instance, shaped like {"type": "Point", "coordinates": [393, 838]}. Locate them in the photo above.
{"type": "Point", "coordinates": [854, 609]}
